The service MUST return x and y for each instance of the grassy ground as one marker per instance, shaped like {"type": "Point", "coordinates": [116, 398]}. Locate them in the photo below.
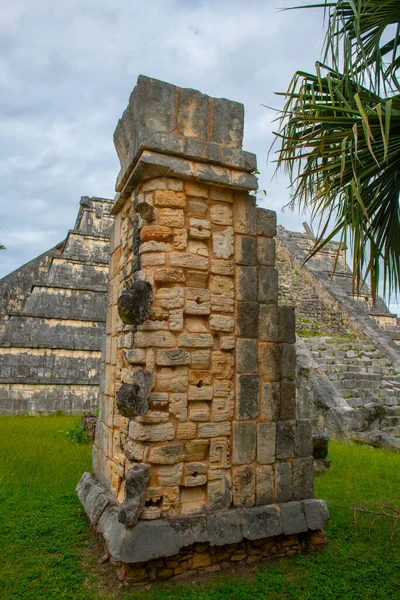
{"type": "Point", "coordinates": [45, 543]}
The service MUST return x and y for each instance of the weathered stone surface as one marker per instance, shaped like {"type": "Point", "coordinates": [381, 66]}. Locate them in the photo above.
{"type": "Point", "coordinates": [170, 475]}
{"type": "Point", "coordinates": [247, 319]}
{"type": "Point", "coordinates": [227, 127]}
{"type": "Point", "coordinates": [266, 443]}
{"type": "Point", "coordinates": [267, 285]}
{"type": "Point", "coordinates": [243, 486]}
{"type": "Point", "coordinates": [136, 482]}
{"type": "Point", "coordinates": [287, 325]}
{"type": "Point", "coordinates": [288, 400]}
{"type": "Point", "coordinates": [244, 216]}
{"type": "Point", "coordinates": [244, 443]}
{"type": "Point", "coordinates": [246, 284]}
{"type": "Point", "coordinates": [316, 513]}
{"type": "Point", "coordinates": [134, 304]}
{"type": "Point", "coordinates": [224, 528]}
{"type": "Point", "coordinates": [195, 340]}
{"type": "Point", "coordinates": [196, 449]}
{"type": "Point", "coordinates": [223, 243]}
{"type": "Point", "coordinates": [288, 361]}
{"type": "Point", "coordinates": [145, 339]}
{"type": "Point", "coordinates": [166, 455]}
{"type": "Point", "coordinates": [221, 214]}
{"type": "Point", "coordinates": [219, 453]}
{"type": "Point", "coordinates": [172, 358]}
{"type": "Point", "coordinates": [194, 474]}
{"type": "Point", "coordinates": [261, 522]}
{"type": "Point", "coordinates": [283, 482]}
{"type": "Point", "coordinates": [266, 222]}
{"type": "Point", "coordinates": [246, 356]}
{"type": "Point", "coordinates": [193, 110]}
{"type": "Point", "coordinates": [246, 250]}
{"type": "Point", "coordinates": [268, 324]}
{"type": "Point", "coordinates": [320, 441]}
{"type": "Point", "coordinates": [269, 357]}
{"type": "Point", "coordinates": [265, 492]}
{"type": "Point", "coordinates": [210, 430]}
{"type": "Point", "coordinates": [303, 478]}
{"type": "Point", "coordinates": [270, 401]}
{"type": "Point", "coordinates": [304, 439]}
{"type": "Point", "coordinates": [247, 400]}
{"type": "Point", "coordinates": [285, 439]}
{"type": "Point", "coordinates": [219, 494]}
{"type": "Point", "coordinates": [292, 518]}
{"type": "Point", "coordinates": [151, 433]}
{"type": "Point", "coordinates": [221, 323]}
{"type": "Point", "coordinates": [133, 398]}
{"type": "Point", "coordinates": [266, 251]}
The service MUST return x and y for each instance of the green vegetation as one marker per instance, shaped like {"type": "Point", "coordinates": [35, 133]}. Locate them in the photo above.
{"type": "Point", "coordinates": [45, 542]}
{"type": "Point", "coordinates": [339, 137]}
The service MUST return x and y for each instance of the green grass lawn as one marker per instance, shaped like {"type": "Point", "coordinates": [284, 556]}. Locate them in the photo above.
{"type": "Point", "coordinates": [45, 542]}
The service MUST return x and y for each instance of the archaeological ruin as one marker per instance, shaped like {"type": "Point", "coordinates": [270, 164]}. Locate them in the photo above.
{"type": "Point", "coordinates": [199, 457]}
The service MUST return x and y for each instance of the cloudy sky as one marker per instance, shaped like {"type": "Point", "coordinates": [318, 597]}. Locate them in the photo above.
{"type": "Point", "coordinates": [67, 69]}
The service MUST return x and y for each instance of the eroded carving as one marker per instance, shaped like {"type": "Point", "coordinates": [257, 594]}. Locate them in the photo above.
{"type": "Point", "coordinates": [133, 398]}
{"type": "Point", "coordinates": [134, 303]}
{"type": "Point", "coordinates": [136, 482]}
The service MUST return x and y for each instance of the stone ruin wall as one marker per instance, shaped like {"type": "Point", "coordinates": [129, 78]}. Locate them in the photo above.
{"type": "Point", "coordinates": [197, 407]}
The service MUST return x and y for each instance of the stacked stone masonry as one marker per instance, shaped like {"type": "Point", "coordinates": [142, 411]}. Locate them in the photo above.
{"type": "Point", "coordinates": [197, 404]}
{"type": "Point", "coordinates": [50, 350]}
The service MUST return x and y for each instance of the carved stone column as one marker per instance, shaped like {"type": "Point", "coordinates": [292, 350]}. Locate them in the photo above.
{"type": "Point", "coordinates": [198, 439]}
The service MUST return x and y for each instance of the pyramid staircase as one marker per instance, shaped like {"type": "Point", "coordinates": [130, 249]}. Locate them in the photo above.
{"type": "Point", "coordinates": [50, 350]}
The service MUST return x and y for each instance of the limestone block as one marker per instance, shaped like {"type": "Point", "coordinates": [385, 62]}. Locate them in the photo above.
{"type": "Point", "coordinates": [221, 323]}
{"type": "Point", "coordinates": [199, 228]}
{"type": "Point", "coordinates": [172, 358]}
{"type": "Point", "coordinates": [194, 279]}
{"type": "Point", "coordinates": [270, 401]}
{"type": "Point", "coordinates": [244, 443]}
{"type": "Point", "coordinates": [304, 438]}
{"type": "Point", "coordinates": [266, 222]}
{"type": "Point", "coordinates": [227, 124]}
{"type": "Point", "coordinates": [194, 474]}
{"type": "Point", "coordinates": [201, 359]}
{"type": "Point", "coordinates": [268, 323]}
{"type": "Point", "coordinates": [176, 320]}
{"type": "Point", "coordinates": [162, 339]}
{"type": "Point", "coordinates": [211, 430]}
{"type": "Point", "coordinates": [247, 319]}
{"type": "Point", "coordinates": [269, 357]}
{"type": "Point", "coordinates": [222, 364]}
{"type": "Point", "coordinates": [200, 392]}
{"type": "Point", "coordinates": [172, 379]}
{"type": "Point", "coordinates": [186, 431]}
{"type": "Point", "coordinates": [288, 361]}
{"type": "Point", "coordinates": [169, 199]}
{"type": "Point", "coordinates": [195, 340]}
{"type": "Point", "coordinates": [133, 397]}
{"type": "Point", "coordinates": [285, 439]}
{"type": "Point", "coordinates": [195, 189]}
{"type": "Point", "coordinates": [136, 482]}
{"type": "Point", "coordinates": [156, 247]}
{"type": "Point", "coordinates": [283, 482]}
{"type": "Point", "coordinates": [159, 398]}
{"type": "Point", "coordinates": [196, 207]}
{"type": "Point", "coordinates": [153, 325]}
{"type": "Point", "coordinates": [196, 449]}
{"type": "Point", "coordinates": [200, 378]}
{"type": "Point", "coordinates": [153, 416]}
{"type": "Point", "coordinates": [157, 233]}
{"type": "Point", "coordinates": [288, 400]}
{"type": "Point", "coordinates": [219, 453]}
{"type": "Point", "coordinates": [222, 267]}
{"type": "Point", "coordinates": [189, 261]}
{"type": "Point", "coordinates": [247, 396]}
{"type": "Point", "coordinates": [170, 475]}
{"type": "Point", "coordinates": [246, 250]}
{"type": "Point", "coordinates": [171, 217]}
{"type": "Point", "coordinates": [292, 518]}
{"type": "Point", "coordinates": [151, 433]}
{"type": "Point", "coordinates": [137, 356]}
{"type": "Point", "coordinates": [134, 450]}
{"type": "Point", "coordinates": [169, 275]}
{"type": "Point", "coordinates": [192, 499]}
{"type": "Point", "coordinates": [246, 356]}
{"type": "Point", "coordinates": [267, 285]}
{"type": "Point", "coordinates": [244, 214]}
{"type": "Point", "coordinates": [244, 486]}
{"type": "Point", "coordinates": [265, 493]}
{"type": "Point", "coordinates": [199, 411]}
{"type": "Point", "coordinates": [199, 305]}
{"type": "Point", "coordinates": [221, 194]}
{"type": "Point", "coordinates": [287, 325]}
{"type": "Point", "coordinates": [179, 239]}
{"type": "Point", "coordinates": [218, 490]}
{"type": "Point", "coordinates": [168, 454]}
{"type": "Point", "coordinates": [193, 109]}
{"type": "Point", "coordinates": [266, 443]}
{"type": "Point", "coordinates": [227, 342]}
{"type": "Point", "coordinates": [220, 304]}
{"type": "Point", "coordinates": [170, 298]}
{"type": "Point", "coordinates": [266, 252]}
{"type": "Point", "coordinates": [316, 513]}
{"type": "Point", "coordinates": [178, 406]}
{"type": "Point", "coordinates": [134, 304]}
{"type": "Point", "coordinates": [221, 214]}
{"type": "Point", "coordinates": [198, 247]}
{"type": "Point", "coordinates": [303, 478]}
{"type": "Point", "coordinates": [223, 243]}
{"type": "Point", "coordinates": [222, 408]}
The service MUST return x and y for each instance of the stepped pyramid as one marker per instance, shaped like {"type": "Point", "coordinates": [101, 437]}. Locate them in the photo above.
{"type": "Point", "coordinates": [50, 349]}
{"type": "Point", "coordinates": [350, 342]}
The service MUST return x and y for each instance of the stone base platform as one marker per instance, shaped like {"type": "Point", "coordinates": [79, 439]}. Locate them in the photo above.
{"type": "Point", "coordinates": [163, 548]}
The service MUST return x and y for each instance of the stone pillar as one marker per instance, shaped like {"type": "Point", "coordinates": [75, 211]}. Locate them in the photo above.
{"type": "Point", "coordinates": [197, 439]}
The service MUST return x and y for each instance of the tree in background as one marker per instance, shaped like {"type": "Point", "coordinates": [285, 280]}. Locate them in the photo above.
{"type": "Point", "coordinates": [340, 138]}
